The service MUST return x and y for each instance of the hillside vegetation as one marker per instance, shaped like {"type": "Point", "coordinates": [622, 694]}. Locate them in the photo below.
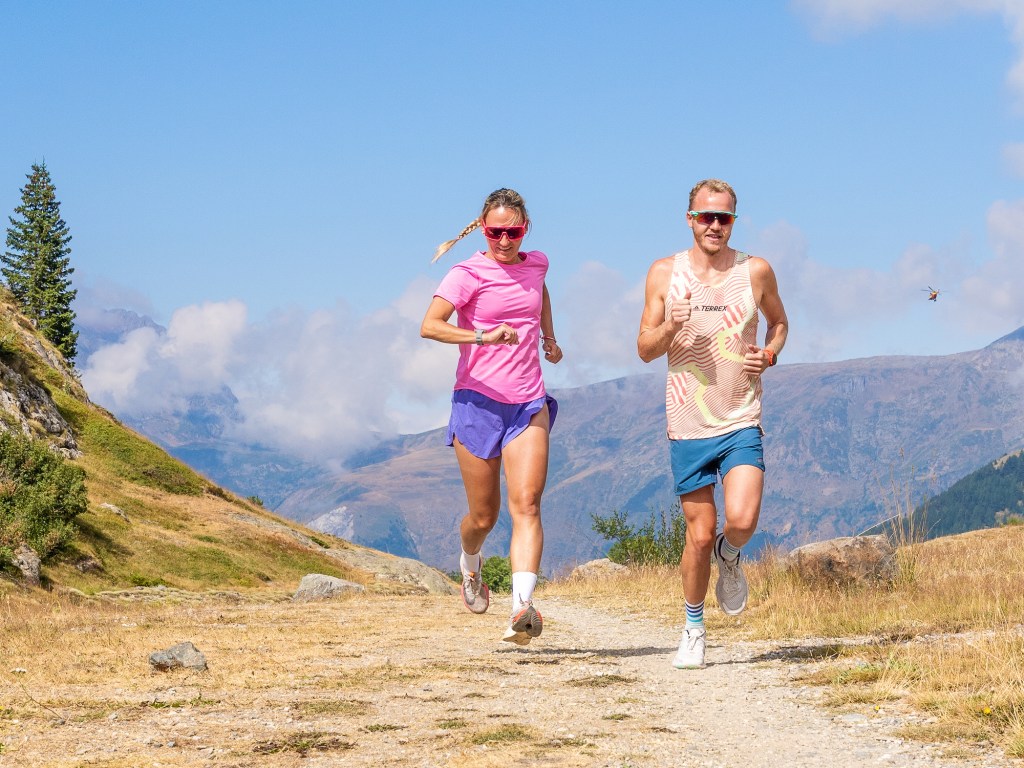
{"type": "Point", "coordinates": [990, 496]}
{"type": "Point", "coordinates": [149, 520]}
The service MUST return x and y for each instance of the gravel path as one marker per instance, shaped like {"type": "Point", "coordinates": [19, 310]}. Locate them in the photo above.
{"type": "Point", "coordinates": [418, 682]}
{"type": "Point", "coordinates": [602, 692]}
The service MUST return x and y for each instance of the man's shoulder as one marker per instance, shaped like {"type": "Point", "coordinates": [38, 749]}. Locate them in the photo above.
{"type": "Point", "coordinates": [758, 266]}
{"type": "Point", "coordinates": [664, 264]}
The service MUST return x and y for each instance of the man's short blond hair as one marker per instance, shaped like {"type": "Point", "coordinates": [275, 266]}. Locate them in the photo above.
{"type": "Point", "coordinates": [715, 185]}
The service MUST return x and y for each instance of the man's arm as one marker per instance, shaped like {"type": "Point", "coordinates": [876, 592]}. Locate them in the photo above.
{"type": "Point", "coordinates": [766, 293]}
{"type": "Point", "coordinates": [657, 332]}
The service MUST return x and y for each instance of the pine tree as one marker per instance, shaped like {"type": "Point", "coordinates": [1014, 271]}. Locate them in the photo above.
{"type": "Point", "coordinates": [36, 265]}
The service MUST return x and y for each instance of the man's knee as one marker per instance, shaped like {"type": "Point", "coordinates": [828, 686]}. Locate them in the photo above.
{"type": "Point", "coordinates": [700, 537]}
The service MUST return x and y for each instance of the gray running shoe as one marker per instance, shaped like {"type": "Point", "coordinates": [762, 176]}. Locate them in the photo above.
{"type": "Point", "coordinates": [691, 649]}
{"type": "Point", "coordinates": [731, 588]}
{"type": "Point", "coordinates": [525, 624]}
{"type": "Point", "coordinates": [475, 594]}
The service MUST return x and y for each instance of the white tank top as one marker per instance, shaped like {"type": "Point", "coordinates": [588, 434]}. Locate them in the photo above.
{"type": "Point", "coordinates": [707, 393]}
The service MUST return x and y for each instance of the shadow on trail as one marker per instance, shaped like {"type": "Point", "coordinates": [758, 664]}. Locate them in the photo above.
{"type": "Point", "coordinates": [556, 655]}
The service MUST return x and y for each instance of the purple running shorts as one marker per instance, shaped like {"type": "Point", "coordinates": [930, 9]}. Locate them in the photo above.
{"type": "Point", "coordinates": [486, 426]}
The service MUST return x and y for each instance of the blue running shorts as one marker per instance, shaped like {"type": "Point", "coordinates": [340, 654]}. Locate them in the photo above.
{"type": "Point", "coordinates": [696, 463]}
{"type": "Point", "coordinates": [486, 426]}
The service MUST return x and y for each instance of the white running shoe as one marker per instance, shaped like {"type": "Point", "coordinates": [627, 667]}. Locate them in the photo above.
{"type": "Point", "coordinates": [691, 649]}
{"type": "Point", "coordinates": [731, 588]}
{"type": "Point", "coordinates": [525, 624]}
{"type": "Point", "coordinates": [475, 593]}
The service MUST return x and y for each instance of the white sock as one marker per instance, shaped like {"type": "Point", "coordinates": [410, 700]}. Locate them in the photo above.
{"type": "Point", "coordinates": [466, 559]}
{"type": "Point", "coordinates": [523, 584]}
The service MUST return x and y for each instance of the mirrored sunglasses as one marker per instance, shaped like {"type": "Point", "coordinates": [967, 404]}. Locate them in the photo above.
{"type": "Point", "coordinates": [513, 233]}
{"type": "Point", "coordinates": [707, 218]}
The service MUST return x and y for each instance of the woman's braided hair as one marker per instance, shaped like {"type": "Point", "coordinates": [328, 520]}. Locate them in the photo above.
{"type": "Point", "coordinates": [499, 198]}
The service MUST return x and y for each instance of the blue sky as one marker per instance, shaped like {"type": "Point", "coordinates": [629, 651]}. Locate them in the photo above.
{"type": "Point", "coordinates": [268, 180]}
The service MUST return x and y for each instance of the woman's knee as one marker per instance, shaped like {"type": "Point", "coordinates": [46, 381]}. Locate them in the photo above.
{"type": "Point", "coordinates": [524, 506]}
{"type": "Point", "coordinates": [482, 520]}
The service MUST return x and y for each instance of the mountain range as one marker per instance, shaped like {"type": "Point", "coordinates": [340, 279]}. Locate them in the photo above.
{"type": "Point", "coordinates": [845, 442]}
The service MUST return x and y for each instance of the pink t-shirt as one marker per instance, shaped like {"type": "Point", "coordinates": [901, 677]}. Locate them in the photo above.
{"type": "Point", "coordinates": [486, 294]}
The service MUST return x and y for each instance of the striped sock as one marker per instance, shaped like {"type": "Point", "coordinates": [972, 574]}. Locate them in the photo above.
{"type": "Point", "coordinates": [727, 551]}
{"type": "Point", "coordinates": [695, 615]}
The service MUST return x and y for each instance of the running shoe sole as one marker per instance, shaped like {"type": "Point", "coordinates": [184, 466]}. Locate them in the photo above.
{"type": "Point", "coordinates": [524, 626]}
{"type": "Point", "coordinates": [528, 620]}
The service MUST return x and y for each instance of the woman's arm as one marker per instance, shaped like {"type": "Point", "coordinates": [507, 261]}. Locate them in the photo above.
{"type": "Point", "coordinates": [435, 326]}
{"type": "Point", "coordinates": [552, 352]}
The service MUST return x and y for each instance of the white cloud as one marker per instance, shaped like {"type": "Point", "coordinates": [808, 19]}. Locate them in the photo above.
{"type": "Point", "coordinates": [150, 367]}
{"type": "Point", "coordinates": [320, 383]}
{"type": "Point", "coordinates": [112, 374]}
{"type": "Point", "coordinates": [832, 18]}
{"type": "Point", "coordinates": [596, 321]}
{"type": "Point", "coordinates": [993, 292]}
{"type": "Point", "coordinates": [201, 340]}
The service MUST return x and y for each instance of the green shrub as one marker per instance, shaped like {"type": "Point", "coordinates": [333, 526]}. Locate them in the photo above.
{"type": "Point", "coordinates": [659, 541]}
{"type": "Point", "coordinates": [141, 580]}
{"type": "Point", "coordinates": [40, 496]}
{"type": "Point", "coordinates": [497, 574]}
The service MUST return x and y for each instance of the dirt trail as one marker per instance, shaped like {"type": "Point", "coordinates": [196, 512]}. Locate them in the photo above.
{"type": "Point", "coordinates": [405, 681]}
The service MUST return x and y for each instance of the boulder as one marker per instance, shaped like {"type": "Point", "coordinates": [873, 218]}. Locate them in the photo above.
{"type": "Point", "coordinates": [27, 561]}
{"type": "Point", "coordinates": [317, 586]}
{"type": "Point", "coordinates": [181, 655]}
{"type": "Point", "coordinates": [598, 569]}
{"type": "Point", "coordinates": [845, 560]}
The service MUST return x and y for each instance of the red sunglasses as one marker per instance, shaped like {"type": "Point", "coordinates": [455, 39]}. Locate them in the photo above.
{"type": "Point", "coordinates": [707, 218]}
{"type": "Point", "coordinates": [514, 233]}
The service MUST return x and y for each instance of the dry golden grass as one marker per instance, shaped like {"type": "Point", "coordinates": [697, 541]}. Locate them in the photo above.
{"type": "Point", "coordinates": [947, 639]}
{"type": "Point", "coordinates": [336, 681]}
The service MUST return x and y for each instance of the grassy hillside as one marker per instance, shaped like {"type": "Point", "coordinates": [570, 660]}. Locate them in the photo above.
{"type": "Point", "coordinates": [151, 520]}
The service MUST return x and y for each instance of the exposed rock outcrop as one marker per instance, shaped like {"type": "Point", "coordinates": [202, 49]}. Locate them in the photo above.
{"type": "Point", "coordinates": [598, 569]}
{"type": "Point", "coordinates": [317, 586]}
{"type": "Point", "coordinates": [845, 561]}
